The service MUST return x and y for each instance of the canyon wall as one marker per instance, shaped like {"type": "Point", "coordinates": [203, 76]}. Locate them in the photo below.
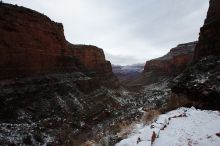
{"type": "Point", "coordinates": [167, 66]}
{"type": "Point", "coordinates": [91, 56]}
{"type": "Point", "coordinates": [32, 44]}
{"type": "Point", "coordinates": [201, 81]}
{"type": "Point", "coordinates": [93, 60]}
{"type": "Point", "coordinates": [174, 62]}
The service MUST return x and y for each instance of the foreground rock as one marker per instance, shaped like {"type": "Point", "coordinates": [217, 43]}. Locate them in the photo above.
{"type": "Point", "coordinates": [200, 84]}
{"type": "Point", "coordinates": [168, 129]}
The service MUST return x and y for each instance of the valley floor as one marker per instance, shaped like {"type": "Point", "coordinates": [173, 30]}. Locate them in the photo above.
{"type": "Point", "coordinates": [180, 127]}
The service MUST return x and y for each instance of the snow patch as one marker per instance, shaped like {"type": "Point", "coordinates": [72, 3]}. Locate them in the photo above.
{"type": "Point", "coordinates": [184, 126]}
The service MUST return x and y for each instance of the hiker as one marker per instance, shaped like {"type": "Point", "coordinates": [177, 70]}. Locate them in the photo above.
{"type": "Point", "coordinates": [153, 137]}
{"type": "Point", "coordinates": [138, 140]}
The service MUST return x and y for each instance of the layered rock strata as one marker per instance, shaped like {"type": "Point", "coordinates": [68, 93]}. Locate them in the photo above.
{"type": "Point", "coordinates": [173, 62]}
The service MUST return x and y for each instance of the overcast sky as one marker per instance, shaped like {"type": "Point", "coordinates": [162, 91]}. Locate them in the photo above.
{"type": "Point", "coordinates": [129, 31]}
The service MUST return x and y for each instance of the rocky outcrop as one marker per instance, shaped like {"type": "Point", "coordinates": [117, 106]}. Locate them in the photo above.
{"type": "Point", "coordinates": [200, 82]}
{"type": "Point", "coordinates": [173, 62]}
{"type": "Point", "coordinates": [209, 43]}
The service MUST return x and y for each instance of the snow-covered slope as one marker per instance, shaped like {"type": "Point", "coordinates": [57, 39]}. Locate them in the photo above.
{"type": "Point", "coordinates": [181, 127]}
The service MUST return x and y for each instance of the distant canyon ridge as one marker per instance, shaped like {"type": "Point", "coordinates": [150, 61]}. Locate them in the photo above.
{"type": "Point", "coordinates": [171, 64]}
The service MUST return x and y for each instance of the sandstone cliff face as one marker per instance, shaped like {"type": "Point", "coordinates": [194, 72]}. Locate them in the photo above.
{"type": "Point", "coordinates": [173, 62]}
{"type": "Point", "coordinates": [93, 59]}
{"type": "Point", "coordinates": [91, 56]}
{"type": "Point", "coordinates": [209, 43]}
{"type": "Point", "coordinates": [30, 42]}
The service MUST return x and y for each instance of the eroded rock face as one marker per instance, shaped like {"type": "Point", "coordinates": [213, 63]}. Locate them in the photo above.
{"type": "Point", "coordinates": [90, 56]}
{"type": "Point", "coordinates": [30, 42]}
{"type": "Point", "coordinates": [93, 59]}
{"type": "Point", "coordinates": [209, 43]}
{"type": "Point", "coordinates": [173, 62]}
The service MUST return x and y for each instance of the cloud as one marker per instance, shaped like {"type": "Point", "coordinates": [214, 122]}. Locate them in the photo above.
{"type": "Point", "coordinates": [131, 31]}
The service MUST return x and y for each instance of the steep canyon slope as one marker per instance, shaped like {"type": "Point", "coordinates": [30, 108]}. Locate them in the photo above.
{"type": "Point", "coordinates": [201, 81]}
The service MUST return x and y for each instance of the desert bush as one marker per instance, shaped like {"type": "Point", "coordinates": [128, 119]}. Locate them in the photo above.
{"type": "Point", "coordinates": [150, 115]}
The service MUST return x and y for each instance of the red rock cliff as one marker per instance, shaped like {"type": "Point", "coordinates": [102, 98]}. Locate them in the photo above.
{"type": "Point", "coordinates": [173, 62]}
{"type": "Point", "coordinates": [93, 59]}
{"type": "Point", "coordinates": [209, 43]}
{"type": "Point", "coordinates": [31, 43]}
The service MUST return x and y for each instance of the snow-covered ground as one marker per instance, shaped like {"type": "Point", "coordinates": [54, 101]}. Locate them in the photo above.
{"type": "Point", "coordinates": [181, 127]}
